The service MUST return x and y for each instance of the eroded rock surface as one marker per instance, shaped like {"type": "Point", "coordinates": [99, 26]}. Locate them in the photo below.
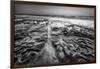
{"type": "Point", "coordinates": [37, 41]}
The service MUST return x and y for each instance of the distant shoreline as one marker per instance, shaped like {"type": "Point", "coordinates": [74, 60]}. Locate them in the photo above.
{"type": "Point", "coordinates": [62, 16]}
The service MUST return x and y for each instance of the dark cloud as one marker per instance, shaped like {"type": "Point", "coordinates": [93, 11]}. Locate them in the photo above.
{"type": "Point", "coordinates": [53, 10]}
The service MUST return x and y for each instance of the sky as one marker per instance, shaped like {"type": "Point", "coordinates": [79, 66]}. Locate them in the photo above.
{"type": "Point", "coordinates": [53, 10]}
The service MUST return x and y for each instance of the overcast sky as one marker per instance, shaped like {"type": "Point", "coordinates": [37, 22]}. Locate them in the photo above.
{"type": "Point", "coordinates": [53, 10]}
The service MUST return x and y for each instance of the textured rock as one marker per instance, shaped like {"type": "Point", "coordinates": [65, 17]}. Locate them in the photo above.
{"type": "Point", "coordinates": [37, 41]}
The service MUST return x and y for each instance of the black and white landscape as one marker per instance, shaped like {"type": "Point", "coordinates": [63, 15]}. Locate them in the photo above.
{"type": "Point", "coordinates": [53, 39]}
